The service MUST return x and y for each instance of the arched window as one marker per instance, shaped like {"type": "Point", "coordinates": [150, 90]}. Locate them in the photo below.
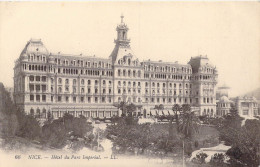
{"type": "Point", "coordinates": [74, 81]}
{"type": "Point", "coordinates": [60, 80]}
{"type": "Point", "coordinates": [119, 72]}
{"type": "Point", "coordinates": [129, 62]}
{"type": "Point", "coordinates": [134, 73]}
{"type": "Point", "coordinates": [67, 81]}
{"type": "Point", "coordinates": [82, 82]}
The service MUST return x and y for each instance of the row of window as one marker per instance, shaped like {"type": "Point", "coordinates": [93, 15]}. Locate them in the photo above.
{"type": "Point", "coordinates": [204, 77]}
{"type": "Point", "coordinates": [159, 100]}
{"type": "Point", "coordinates": [37, 78]}
{"type": "Point", "coordinates": [207, 100]}
{"type": "Point", "coordinates": [82, 99]}
{"type": "Point", "coordinates": [37, 87]}
{"type": "Point", "coordinates": [82, 81]}
{"type": "Point", "coordinates": [82, 63]}
{"type": "Point", "coordinates": [167, 69]}
{"type": "Point", "coordinates": [35, 67]}
{"type": "Point", "coordinates": [128, 73]}
{"type": "Point", "coordinates": [33, 57]}
{"type": "Point", "coordinates": [167, 76]}
{"type": "Point", "coordinates": [164, 92]}
{"type": "Point", "coordinates": [82, 90]}
{"type": "Point", "coordinates": [84, 72]}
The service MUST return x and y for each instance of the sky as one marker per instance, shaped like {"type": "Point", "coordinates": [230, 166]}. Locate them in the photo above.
{"type": "Point", "coordinates": [227, 32]}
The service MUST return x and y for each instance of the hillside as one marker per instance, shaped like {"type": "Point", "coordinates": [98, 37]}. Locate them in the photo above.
{"type": "Point", "coordinates": [255, 93]}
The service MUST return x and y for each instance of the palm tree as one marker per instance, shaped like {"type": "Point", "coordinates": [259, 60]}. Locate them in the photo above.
{"type": "Point", "coordinates": [188, 124]}
{"type": "Point", "coordinates": [177, 111]}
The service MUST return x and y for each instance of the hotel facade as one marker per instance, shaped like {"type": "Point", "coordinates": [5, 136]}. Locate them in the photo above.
{"type": "Point", "coordinates": [92, 86]}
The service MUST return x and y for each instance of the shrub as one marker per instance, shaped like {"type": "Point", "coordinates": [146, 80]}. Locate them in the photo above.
{"type": "Point", "coordinates": [200, 158]}
{"type": "Point", "coordinates": [217, 160]}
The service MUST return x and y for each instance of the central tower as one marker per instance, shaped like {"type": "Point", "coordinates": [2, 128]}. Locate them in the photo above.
{"type": "Point", "coordinates": [122, 30]}
{"type": "Point", "coordinates": [122, 46]}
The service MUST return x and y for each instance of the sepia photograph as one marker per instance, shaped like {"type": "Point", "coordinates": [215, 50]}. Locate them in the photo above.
{"type": "Point", "coordinates": [123, 84]}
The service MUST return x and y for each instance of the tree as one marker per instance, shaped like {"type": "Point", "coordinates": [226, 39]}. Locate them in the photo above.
{"type": "Point", "coordinates": [245, 146]}
{"type": "Point", "coordinates": [177, 111]}
{"type": "Point", "coordinates": [130, 109]}
{"type": "Point", "coordinates": [122, 106]}
{"type": "Point", "coordinates": [188, 125]}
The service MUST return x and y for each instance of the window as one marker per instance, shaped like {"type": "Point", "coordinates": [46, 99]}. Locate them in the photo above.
{"type": "Point", "coordinates": [60, 90]}
{"type": "Point", "coordinates": [89, 99]}
{"type": "Point", "coordinates": [67, 98]}
{"type": "Point", "coordinates": [38, 78]}
{"type": "Point", "coordinates": [66, 88]}
{"type": "Point", "coordinates": [139, 73]}
{"type": "Point", "coordinates": [96, 82]}
{"type": "Point", "coordinates": [67, 81]}
{"type": "Point", "coordinates": [44, 98]}
{"type": "Point", "coordinates": [82, 90]}
{"type": "Point", "coordinates": [31, 97]}
{"type": "Point", "coordinates": [74, 99]}
{"type": "Point", "coordinates": [119, 73]}
{"type": "Point", "coordinates": [146, 84]}
{"type": "Point", "coordinates": [96, 99]}
{"type": "Point", "coordinates": [60, 80]}
{"type": "Point", "coordinates": [82, 99]}
{"type": "Point", "coordinates": [89, 82]}
{"type": "Point", "coordinates": [43, 88]}
{"type": "Point", "coordinates": [31, 78]}
{"type": "Point", "coordinates": [31, 87]}
{"type": "Point", "coordinates": [59, 98]}
{"type": "Point", "coordinates": [43, 78]}
{"type": "Point", "coordinates": [82, 82]}
{"type": "Point", "coordinates": [74, 82]}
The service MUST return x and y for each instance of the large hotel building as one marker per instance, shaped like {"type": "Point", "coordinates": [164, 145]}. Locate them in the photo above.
{"type": "Point", "coordinates": [92, 86]}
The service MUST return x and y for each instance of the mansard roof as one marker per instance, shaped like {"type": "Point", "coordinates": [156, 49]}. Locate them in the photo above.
{"type": "Point", "coordinates": [199, 62]}
{"type": "Point", "coordinates": [35, 46]}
